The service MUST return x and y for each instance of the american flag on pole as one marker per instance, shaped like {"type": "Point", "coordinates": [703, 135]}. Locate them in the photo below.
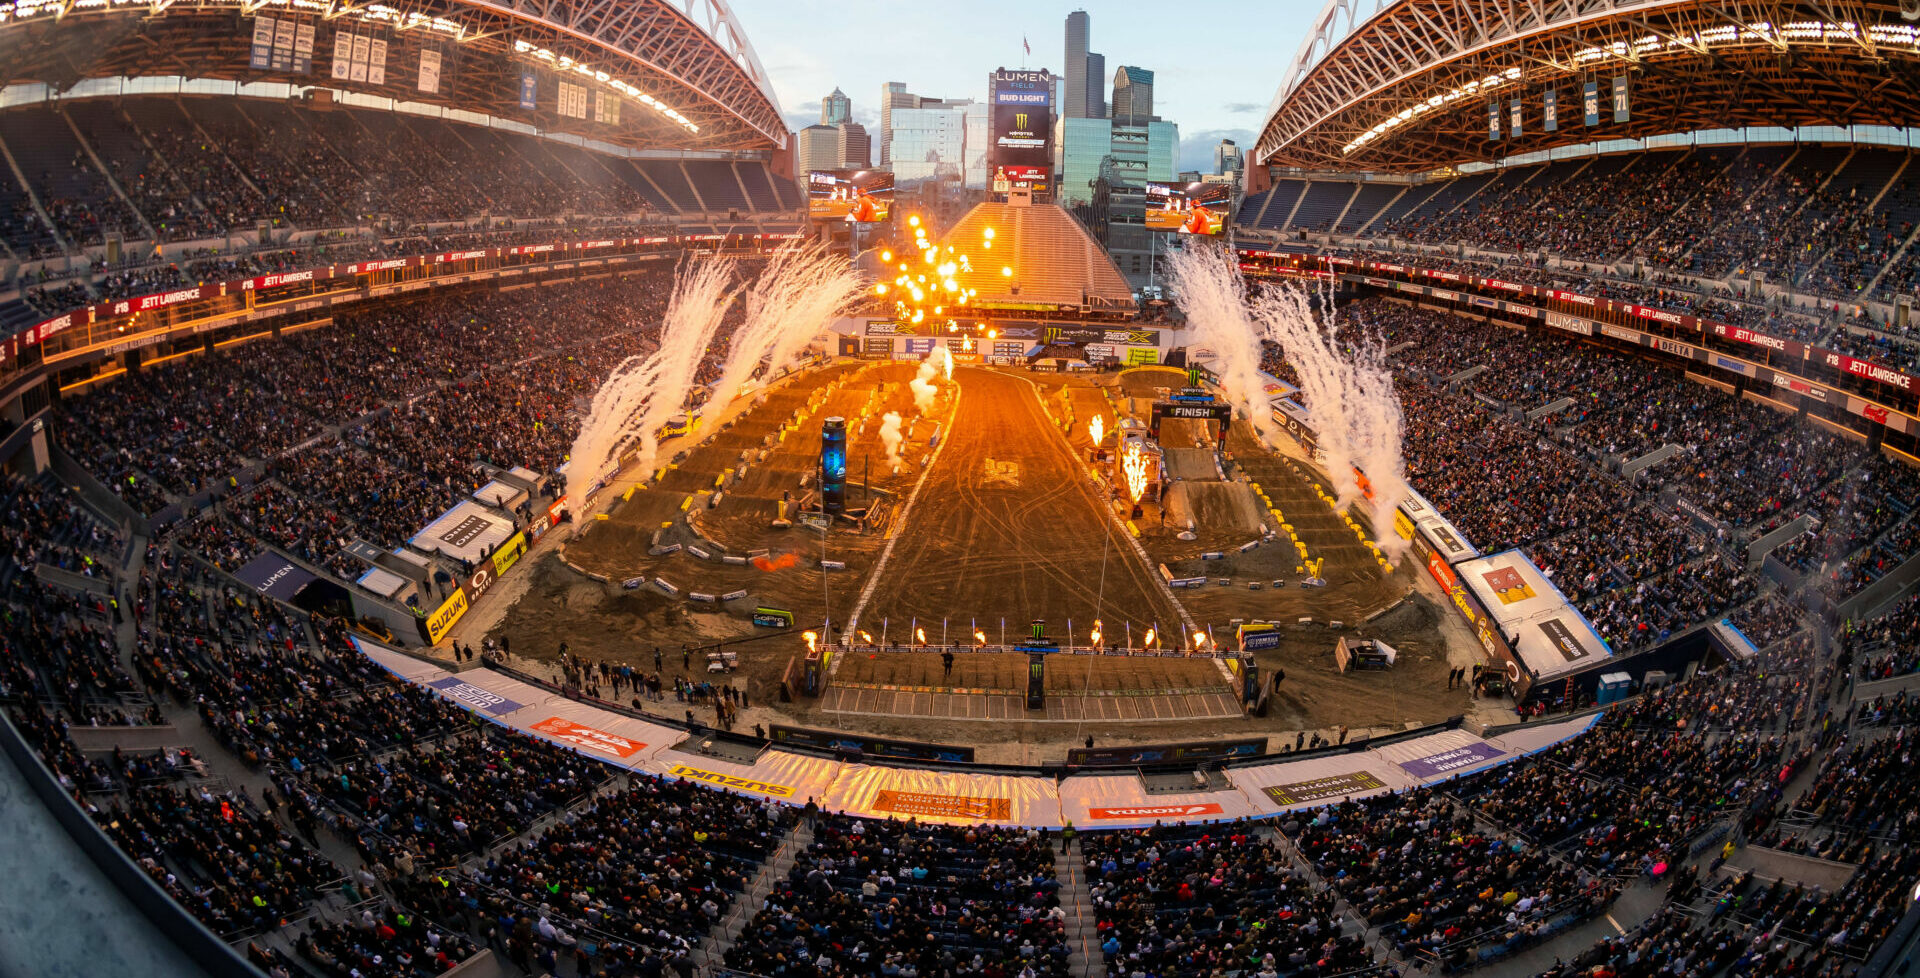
{"type": "Point", "coordinates": [1024, 44]}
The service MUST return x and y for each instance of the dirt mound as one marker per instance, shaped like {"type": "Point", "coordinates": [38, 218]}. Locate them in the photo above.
{"type": "Point", "coordinates": [1190, 464]}
{"type": "Point", "coordinates": [1215, 509]}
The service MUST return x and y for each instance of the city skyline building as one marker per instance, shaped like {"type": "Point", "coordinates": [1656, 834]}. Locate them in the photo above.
{"type": "Point", "coordinates": [1132, 94]}
{"type": "Point", "coordinates": [836, 108]}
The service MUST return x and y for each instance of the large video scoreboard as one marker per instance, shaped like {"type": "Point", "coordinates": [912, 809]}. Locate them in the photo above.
{"type": "Point", "coordinates": [1022, 129]}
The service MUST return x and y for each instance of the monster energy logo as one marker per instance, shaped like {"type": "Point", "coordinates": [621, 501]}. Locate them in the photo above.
{"type": "Point", "coordinates": [1020, 120]}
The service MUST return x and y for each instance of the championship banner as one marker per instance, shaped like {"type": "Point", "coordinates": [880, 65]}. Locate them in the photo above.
{"type": "Point", "coordinates": [260, 56]}
{"type": "Point", "coordinates": [529, 88]}
{"type": "Point", "coordinates": [1620, 98]}
{"type": "Point", "coordinates": [917, 803]}
{"type": "Point", "coordinates": [1591, 102]}
{"type": "Point", "coordinates": [590, 739]}
{"type": "Point", "coordinates": [1550, 111]}
{"type": "Point", "coordinates": [1301, 792]}
{"type": "Point", "coordinates": [573, 100]}
{"type": "Point", "coordinates": [429, 70]}
{"type": "Point", "coordinates": [303, 48]}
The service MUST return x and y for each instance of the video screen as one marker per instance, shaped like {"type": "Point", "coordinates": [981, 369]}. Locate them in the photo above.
{"type": "Point", "coordinates": [1007, 179]}
{"type": "Point", "coordinates": [1022, 121]}
{"type": "Point", "coordinates": [1188, 208]}
{"type": "Point", "coordinates": [861, 196]}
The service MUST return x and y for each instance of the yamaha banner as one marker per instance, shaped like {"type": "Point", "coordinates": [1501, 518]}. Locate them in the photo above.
{"type": "Point", "coordinates": [1619, 98]}
{"type": "Point", "coordinates": [1592, 99]}
{"type": "Point", "coordinates": [1493, 120]}
{"type": "Point", "coordinates": [1550, 113]}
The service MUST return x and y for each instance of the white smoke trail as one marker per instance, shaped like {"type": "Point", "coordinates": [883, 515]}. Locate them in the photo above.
{"type": "Point", "coordinates": [800, 292]}
{"type": "Point", "coordinates": [1345, 383]}
{"type": "Point", "coordinates": [938, 361]}
{"type": "Point", "coordinates": [890, 437]}
{"type": "Point", "coordinates": [1210, 291]}
{"type": "Point", "coordinates": [643, 392]}
{"type": "Point", "coordinates": [1348, 391]}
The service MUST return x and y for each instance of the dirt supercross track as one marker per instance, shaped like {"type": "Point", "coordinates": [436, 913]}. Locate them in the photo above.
{"type": "Point", "coordinates": [1009, 525]}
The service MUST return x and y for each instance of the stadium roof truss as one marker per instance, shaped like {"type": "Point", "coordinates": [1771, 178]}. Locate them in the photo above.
{"type": "Point", "coordinates": [684, 69]}
{"type": "Point", "coordinates": [1405, 84]}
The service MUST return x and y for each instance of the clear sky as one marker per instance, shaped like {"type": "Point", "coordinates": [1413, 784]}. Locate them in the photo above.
{"type": "Point", "coordinates": [1216, 63]}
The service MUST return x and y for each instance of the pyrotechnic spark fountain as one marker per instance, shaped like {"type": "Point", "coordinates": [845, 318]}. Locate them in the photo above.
{"type": "Point", "coordinates": [811, 638]}
{"type": "Point", "coordinates": [643, 392]}
{"type": "Point", "coordinates": [920, 635]}
{"type": "Point", "coordinates": [1147, 642]}
{"type": "Point", "coordinates": [801, 291]}
{"type": "Point", "coordinates": [1096, 429]}
{"type": "Point", "coordinates": [927, 291]}
{"type": "Point", "coordinates": [1344, 381]}
{"type": "Point", "coordinates": [979, 637]}
{"type": "Point", "coordinates": [1133, 464]}
{"type": "Point", "coordinates": [1094, 640]}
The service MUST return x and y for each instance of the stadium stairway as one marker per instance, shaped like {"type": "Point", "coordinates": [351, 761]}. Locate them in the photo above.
{"type": "Point", "coordinates": [1085, 960]}
{"type": "Point", "coordinates": [713, 951]}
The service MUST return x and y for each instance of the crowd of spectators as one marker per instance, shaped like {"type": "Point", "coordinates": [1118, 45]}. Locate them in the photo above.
{"type": "Point", "coordinates": [220, 857]}
{"type": "Point", "coordinates": [1620, 800]}
{"type": "Point", "coordinates": [202, 169]}
{"type": "Point", "coordinates": [1868, 787]}
{"type": "Point", "coordinates": [1417, 866]}
{"type": "Point", "coordinates": [893, 898]}
{"type": "Point", "coordinates": [1888, 644]}
{"type": "Point", "coordinates": [441, 801]}
{"type": "Point", "coordinates": [1187, 900]}
{"type": "Point", "coordinates": [652, 867]}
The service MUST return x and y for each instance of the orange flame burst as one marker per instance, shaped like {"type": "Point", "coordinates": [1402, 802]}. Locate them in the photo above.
{"type": "Point", "coordinates": [1133, 464]}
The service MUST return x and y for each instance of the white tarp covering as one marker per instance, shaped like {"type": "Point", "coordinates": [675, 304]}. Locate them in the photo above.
{"type": "Point", "coordinates": [465, 532]}
{"type": "Point", "coordinates": [609, 736]}
{"type": "Point", "coordinates": [500, 495]}
{"type": "Point", "coordinates": [1529, 740]}
{"type": "Point", "coordinates": [405, 666]}
{"type": "Point", "coordinates": [1312, 782]}
{"type": "Point", "coordinates": [1549, 635]}
{"type": "Point", "coordinates": [1445, 538]}
{"type": "Point", "coordinates": [953, 797]}
{"type": "Point", "coordinates": [1119, 801]}
{"type": "Point", "coordinates": [790, 778]}
{"type": "Point", "coordinates": [1442, 755]}
{"type": "Point", "coordinates": [382, 582]}
{"type": "Point", "coordinates": [1090, 801]}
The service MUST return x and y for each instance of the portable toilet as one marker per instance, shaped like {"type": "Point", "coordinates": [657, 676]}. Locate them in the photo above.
{"type": "Point", "coordinates": [1614, 687]}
